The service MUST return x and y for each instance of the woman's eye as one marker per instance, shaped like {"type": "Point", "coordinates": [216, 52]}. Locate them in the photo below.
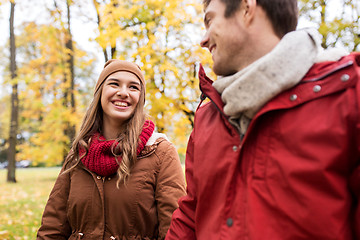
{"type": "Point", "coordinates": [135, 87]}
{"type": "Point", "coordinates": [114, 83]}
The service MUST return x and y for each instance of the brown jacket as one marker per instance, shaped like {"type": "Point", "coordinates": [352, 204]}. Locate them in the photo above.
{"type": "Point", "coordinates": [83, 205]}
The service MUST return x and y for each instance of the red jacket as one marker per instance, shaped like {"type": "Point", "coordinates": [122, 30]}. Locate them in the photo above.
{"type": "Point", "coordinates": [294, 175]}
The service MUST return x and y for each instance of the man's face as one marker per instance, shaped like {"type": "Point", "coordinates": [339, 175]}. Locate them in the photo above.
{"type": "Point", "coordinates": [226, 38]}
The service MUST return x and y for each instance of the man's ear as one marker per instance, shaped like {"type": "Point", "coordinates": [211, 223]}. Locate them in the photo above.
{"type": "Point", "coordinates": [249, 8]}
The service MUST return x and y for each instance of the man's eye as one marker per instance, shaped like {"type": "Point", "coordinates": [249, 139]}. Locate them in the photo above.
{"type": "Point", "coordinates": [207, 22]}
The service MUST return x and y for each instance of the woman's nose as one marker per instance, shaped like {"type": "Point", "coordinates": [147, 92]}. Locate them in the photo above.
{"type": "Point", "coordinates": [122, 92]}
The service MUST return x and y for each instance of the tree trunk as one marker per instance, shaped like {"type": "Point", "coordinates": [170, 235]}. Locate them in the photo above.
{"type": "Point", "coordinates": [112, 53]}
{"type": "Point", "coordinates": [323, 22]}
{"type": "Point", "coordinates": [68, 100]}
{"type": "Point", "coordinates": [97, 6]}
{"type": "Point", "coordinates": [14, 103]}
{"type": "Point", "coordinates": [69, 91]}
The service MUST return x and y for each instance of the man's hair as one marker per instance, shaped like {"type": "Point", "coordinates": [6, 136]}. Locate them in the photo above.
{"type": "Point", "coordinates": [283, 14]}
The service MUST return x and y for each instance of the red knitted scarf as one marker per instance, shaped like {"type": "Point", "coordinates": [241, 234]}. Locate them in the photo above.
{"type": "Point", "coordinates": [100, 158]}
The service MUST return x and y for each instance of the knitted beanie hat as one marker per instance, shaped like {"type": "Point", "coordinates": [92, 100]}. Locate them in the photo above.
{"type": "Point", "coordinates": [115, 65]}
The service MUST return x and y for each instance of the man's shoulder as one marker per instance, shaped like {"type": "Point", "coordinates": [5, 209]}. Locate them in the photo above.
{"type": "Point", "coordinates": [322, 80]}
{"type": "Point", "coordinates": [346, 68]}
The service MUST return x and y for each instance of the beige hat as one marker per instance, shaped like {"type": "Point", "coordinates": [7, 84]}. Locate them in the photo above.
{"type": "Point", "coordinates": [115, 65]}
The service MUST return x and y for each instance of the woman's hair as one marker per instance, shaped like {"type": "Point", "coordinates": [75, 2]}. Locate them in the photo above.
{"type": "Point", "coordinates": [126, 142]}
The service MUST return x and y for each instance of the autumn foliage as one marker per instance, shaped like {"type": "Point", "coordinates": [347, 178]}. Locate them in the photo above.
{"type": "Point", "coordinates": [156, 34]}
{"type": "Point", "coordinates": [160, 36]}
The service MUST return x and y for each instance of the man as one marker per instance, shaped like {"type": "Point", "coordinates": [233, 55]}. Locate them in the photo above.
{"type": "Point", "coordinates": [275, 153]}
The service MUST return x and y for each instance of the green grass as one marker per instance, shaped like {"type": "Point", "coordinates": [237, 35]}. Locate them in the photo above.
{"type": "Point", "coordinates": [22, 203]}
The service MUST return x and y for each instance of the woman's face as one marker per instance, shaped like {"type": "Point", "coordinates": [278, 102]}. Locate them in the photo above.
{"type": "Point", "coordinates": [119, 98]}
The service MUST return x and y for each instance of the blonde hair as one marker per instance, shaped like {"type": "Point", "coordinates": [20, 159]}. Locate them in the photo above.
{"type": "Point", "coordinates": [126, 142]}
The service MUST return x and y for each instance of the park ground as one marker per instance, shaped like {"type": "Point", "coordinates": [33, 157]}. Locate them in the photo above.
{"type": "Point", "coordinates": [22, 203]}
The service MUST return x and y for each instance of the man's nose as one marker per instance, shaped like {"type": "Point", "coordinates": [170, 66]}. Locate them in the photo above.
{"type": "Point", "coordinates": [205, 41]}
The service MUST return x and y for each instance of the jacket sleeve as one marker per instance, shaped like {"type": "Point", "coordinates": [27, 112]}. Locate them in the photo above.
{"type": "Point", "coordinates": [183, 219]}
{"type": "Point", "coordinates": [54, 223]}
{"type": "Point", "coordinates": [170, 185]}
{"type": "Point", "coordinates": [355, 176]}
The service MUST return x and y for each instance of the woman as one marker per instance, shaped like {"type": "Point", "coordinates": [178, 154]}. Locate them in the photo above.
{"type": "Point", "coordinates": [120, 180]}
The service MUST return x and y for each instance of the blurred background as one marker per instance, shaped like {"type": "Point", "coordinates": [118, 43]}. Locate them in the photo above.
{"type": "Point", "coordinates": [51, 53]}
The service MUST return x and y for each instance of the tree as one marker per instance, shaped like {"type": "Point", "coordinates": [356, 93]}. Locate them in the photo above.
{"type": "Point", "coordinates": [159, 37]}
{"type": "Point", "coordinates": [68, 75]}
{"type": "Point", "coordinates": [14, 102]}
{"type": "Point", "coordinates": [338, 24]}
{"type": "Point", "coordinates": [109, 48]}
{"type": "Point", "coordinates": [51, 70]}
{"type": "Point", "coordinates": [44, 116]}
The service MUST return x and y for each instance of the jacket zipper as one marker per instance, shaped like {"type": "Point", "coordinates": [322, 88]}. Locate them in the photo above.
{"type": "Point", "coordinates": [103, 197]}
{"type": "Point", "coordinates": [222, 113]}
{"type": "Point", "coordinates": [103, 180]}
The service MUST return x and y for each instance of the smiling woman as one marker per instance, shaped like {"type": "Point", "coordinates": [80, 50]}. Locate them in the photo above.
{"type": "Point", "coordinates": [120, 180]}
{"type": "Point", "coordinates": [120, 96]}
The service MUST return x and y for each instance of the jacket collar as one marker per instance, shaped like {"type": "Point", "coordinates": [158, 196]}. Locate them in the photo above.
{"type": "Point", "coordinates": [301, 93]}
{"type": "Point", "coordinates": [316, 83]}
{"type": "Point", "coordinates": [149, 149]}
{"type": "Point", "coordinates": [209, 91]}
{"type": "Point", "coordinates": [322, 79]}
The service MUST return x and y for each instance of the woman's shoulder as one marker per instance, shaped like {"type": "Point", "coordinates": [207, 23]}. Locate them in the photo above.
{"type": "Point", "coordinates": [156, 138]}
{"type": "Point", "coordinates": [159, 143]}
